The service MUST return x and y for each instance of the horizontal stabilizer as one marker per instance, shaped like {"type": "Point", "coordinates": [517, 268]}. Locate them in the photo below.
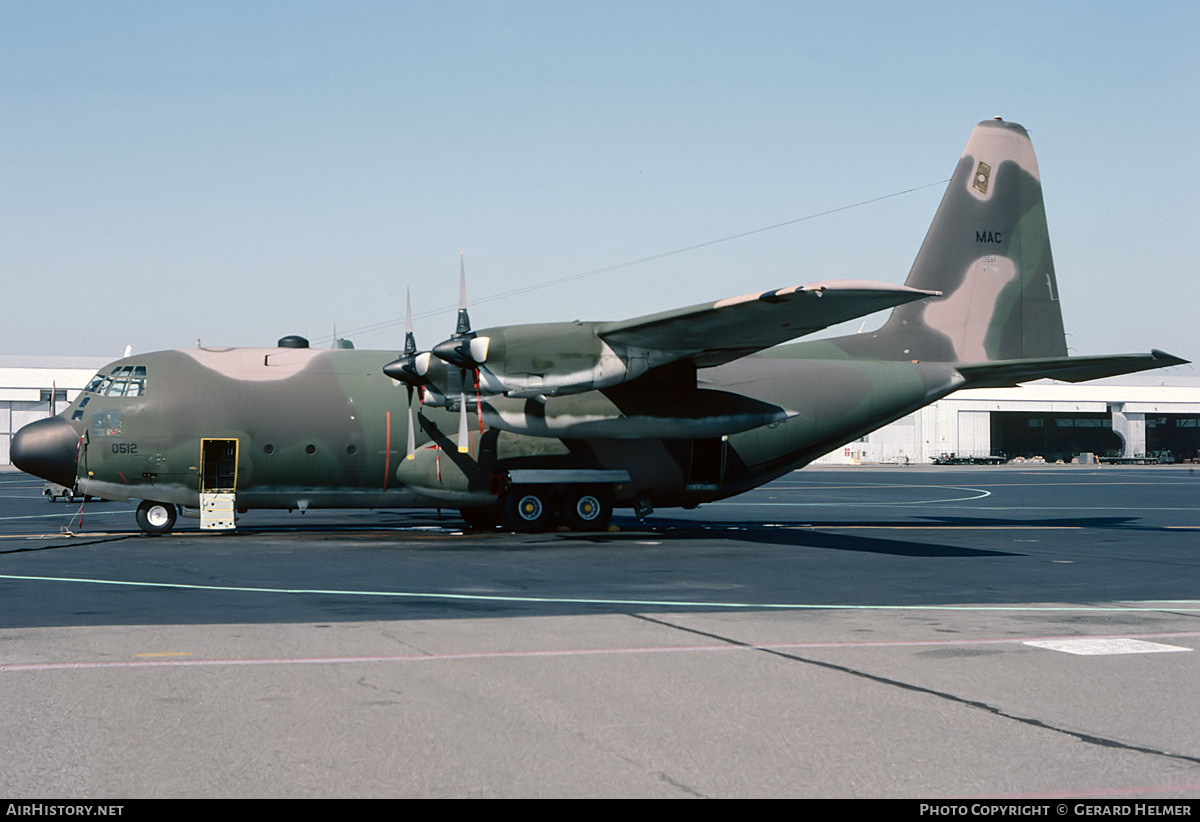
{"type": "Point", "coordinates": [716, 333]}
{"type": "Point", "coordinates": [1004, 373]}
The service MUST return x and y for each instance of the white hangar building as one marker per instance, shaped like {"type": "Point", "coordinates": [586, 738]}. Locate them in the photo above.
{"type": "Point", "coordinates": [1138, 415]}
{"type": "Point", "coordinates": [34, 387]}
{"type": "Point", "coordinates": [1148, 414]}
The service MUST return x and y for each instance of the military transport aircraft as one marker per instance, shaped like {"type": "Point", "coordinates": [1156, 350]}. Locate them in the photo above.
{"type": "Point", "coordinates": [529, 426]}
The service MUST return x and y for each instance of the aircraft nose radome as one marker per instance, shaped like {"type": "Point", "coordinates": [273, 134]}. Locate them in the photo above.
{"type": "Point", "coordinates": [47, 449]}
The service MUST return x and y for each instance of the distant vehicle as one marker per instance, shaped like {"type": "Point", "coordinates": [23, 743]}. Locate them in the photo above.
{"type": "Point", "coordinates": [534, 426]}
{"type": "Point", "coordinates": [969, 459]}
{"type": "Point", "coordinates": [1156, 458]}
{"type": "Point", "coordinates": [54, 492]}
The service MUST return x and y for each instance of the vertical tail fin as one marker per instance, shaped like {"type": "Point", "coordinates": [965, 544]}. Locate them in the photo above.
{"type": "Point", "coordinates": [988, 252]}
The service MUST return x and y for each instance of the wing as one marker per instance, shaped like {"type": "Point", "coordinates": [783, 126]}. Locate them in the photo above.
{"type": "Point", "coordinates": [716, 333]}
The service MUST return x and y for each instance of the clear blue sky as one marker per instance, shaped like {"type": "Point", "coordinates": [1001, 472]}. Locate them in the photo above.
{"type": "Point", "coordinates": [237, 171]}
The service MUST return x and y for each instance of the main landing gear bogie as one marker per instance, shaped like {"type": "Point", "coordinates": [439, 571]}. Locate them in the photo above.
{"type": "Point", "coordinates": [156, 517]}
{"type": "Point", "coordinates": [535, 508]}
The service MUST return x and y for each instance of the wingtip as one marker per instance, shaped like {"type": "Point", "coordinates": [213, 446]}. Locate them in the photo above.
{"type": "Point", "coordinates": [1167, 359]}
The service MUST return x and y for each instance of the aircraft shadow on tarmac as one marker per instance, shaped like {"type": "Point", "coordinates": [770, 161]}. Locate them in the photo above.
{"type": "Point", "coordinates": [827, 534]}
{"type": "Point", "coordinates": [797, 535]}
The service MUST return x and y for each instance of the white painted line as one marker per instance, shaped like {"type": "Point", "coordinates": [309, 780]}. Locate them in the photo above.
{"type": "Point", "coordinates": [1103, 647]}
{"type": "Point", "coordinates": [1128, 607]}
{"type": "Point", "coordinates": [976, 493]}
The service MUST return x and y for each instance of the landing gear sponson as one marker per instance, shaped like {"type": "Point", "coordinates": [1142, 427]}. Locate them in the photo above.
{"type": "Point", "coordinates": [539, 500]}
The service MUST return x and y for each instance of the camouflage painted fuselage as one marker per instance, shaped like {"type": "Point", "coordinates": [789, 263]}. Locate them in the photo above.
{"type": "Point", "coordinates": [669, 409]}
{"type": "Point", "coordinates": [325, 428]}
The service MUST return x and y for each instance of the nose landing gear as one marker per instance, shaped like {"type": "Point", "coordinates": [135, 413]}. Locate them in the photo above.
{"type": "Point", "coordinates": [156, 517]}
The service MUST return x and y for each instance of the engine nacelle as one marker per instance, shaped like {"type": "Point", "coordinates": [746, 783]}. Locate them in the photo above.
{"type": "Point", "coordinates": [540, 360]}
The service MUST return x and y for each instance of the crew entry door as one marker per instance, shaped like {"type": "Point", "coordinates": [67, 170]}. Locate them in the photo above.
{"type": "Point", "coordinates": [218, 483]}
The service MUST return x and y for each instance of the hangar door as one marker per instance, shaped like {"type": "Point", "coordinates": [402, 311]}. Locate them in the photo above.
{"type": "Point", "coordinates": [1053, 436]}
{"type": "Point", "coordinates": [1176, 433]}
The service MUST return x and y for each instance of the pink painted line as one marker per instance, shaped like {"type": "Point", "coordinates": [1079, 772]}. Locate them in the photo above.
{"type": "Point", "coordinates": [183, 663]}
{"type": "Point", "coordinates": [1188, 789]}
{"type": "Point", "coordinates": [670, 649]}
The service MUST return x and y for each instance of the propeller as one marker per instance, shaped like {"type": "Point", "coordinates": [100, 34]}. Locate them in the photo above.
{"type": "Point", "coordinates": [464, 350]}
{"type": "Point", "coordinates": [409, 368]}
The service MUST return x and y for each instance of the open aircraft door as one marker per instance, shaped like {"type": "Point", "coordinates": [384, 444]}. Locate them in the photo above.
{"type": "Point", "coordinates": [218, 484]}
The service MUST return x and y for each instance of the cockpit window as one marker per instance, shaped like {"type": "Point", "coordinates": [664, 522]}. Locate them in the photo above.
{"type": "Point", "coordinates": [123, 381]}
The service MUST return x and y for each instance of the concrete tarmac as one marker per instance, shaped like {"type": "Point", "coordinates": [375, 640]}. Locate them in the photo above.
{"type": "Point", "coordinates": [1016, 632]}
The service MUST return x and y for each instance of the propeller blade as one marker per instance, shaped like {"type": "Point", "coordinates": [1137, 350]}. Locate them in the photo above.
{"type": "Point", "coordinates": [464, 443]}
{"type": "Point", "coordinates": [421, 364]}
{"type": "Point", "coordinates": [410, 341]}
{"type": "Point", "coordinates": [464, 321]}
{"type": "Point", "coordinates": [463, 349]}
{"type": "Point", "coordinates": [411, 454]}
{"type": "Point", "coordinates": [477, 349]}
{"type": "Point", "coordinates": [410, 367]}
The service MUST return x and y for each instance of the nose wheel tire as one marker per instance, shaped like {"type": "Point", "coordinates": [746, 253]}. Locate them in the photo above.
{"type": "Point", "coordinates": [155, 517]}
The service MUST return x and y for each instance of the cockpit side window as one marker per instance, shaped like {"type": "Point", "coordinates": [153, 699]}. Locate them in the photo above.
{"type": "Point", "coordinates": [78, 415]}
{"type": "Point", "coordinates": [106, 424]}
